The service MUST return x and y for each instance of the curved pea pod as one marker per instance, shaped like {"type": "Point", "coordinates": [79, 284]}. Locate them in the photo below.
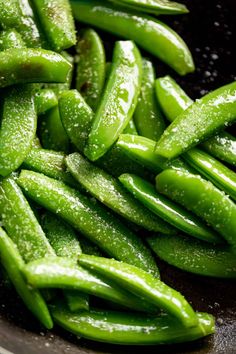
{"type": "Point", "coordinates": [91, 67]}
{"type": "Point", "coordinates": [89, 218]}
{"type": "Point", "coordinates": [143, 284]}
{"type": "Point", "coordinates": [118, 101]}
{"type": "Point", "coordinates": [150, 34]}
{"type": "Point", "coordinates": [57, 22]}
{"type": "Point", "coordinates": [110, 192]}
{"type": "Point", "coordinates": [170, 212]}
{"type": "Point", "coordinates": [13, 264]}
{"type": "Point", "coordinates": [215, 171]}
{"type": "Point", "coordinates": [203, 199]}
{"type": "Point", "coordinates": [147, 115]}
{"type": "Point", "coordinates": [62, 273]}
{"type": "Point", "coordinates": [45, 99]}
{"type": "Point", "coordinates": [194, 256]}
{"type": "Point", "coordinates": [23, 65]}
{"type": "Point", "coordinates": [18, 128]}
{"type": "Point", "coordinates": [10, 39]}
{"type": "Point", "coordinates": [205, 117]}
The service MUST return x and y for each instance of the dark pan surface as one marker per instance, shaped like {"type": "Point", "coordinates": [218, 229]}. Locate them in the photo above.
{"type": "Point", "coordinates": [210, 32]}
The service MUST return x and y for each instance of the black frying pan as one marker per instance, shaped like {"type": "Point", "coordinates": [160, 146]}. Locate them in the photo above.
{"type": "Point", "coordinates": [210, 31]}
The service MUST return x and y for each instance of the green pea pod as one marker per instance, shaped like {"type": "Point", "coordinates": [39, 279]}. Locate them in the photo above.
{"type": "Point", "coordinates": [130, 128]}
{"type": "Point", "coordinates": [51, 163]}
{"type": "Point", "coordinates": [205, 117]}
{"type": "Point", "coordinates": [147, 116]}
{"type": "Point", "coordinates": [118, 102]}
{"type": "Point", "coordinates": [89, 247]}
{"type": "Point", "coordinates": [167, 210]}
{"type": "Point", "coordinates": [45, 99]}
{"type": "Point", "coordinates": [89, 218]}
{"type": "Point", "coordinates": [13, 264]}
{"type": "Point", "coordinates": [203, 199]}
{"type": "Point", "coordinates": [110, 192]}
{"type": "Point", "coordinates": [129, 328]}
{"type": "Point", "coordinates": [18, 127]}
{"type": "Point", "coordinates": [63, 273]}
{"type": "Point", "coordinates": [215, 171]}
{"type": "Point", "coordinates": [194, 256]}
{"type": "Point", "coordinates": [143, 284]}
{"type": "Point", "coordinates": [174, 100]}
{"type": "Point", "coordinates": [10, 39]}
{"type": "Point", "coordinates": [91, 67]}
{"type": "Point", "coordinates": [156, 7]}
{"type": "Point", "coordinates": [150, 34]}
{"type": "Point", "coordinates": [57, 22]}
{"type": "Point", "coordinates": [20, 222]}
{"type": "Point", "coordinates": [23, 65]}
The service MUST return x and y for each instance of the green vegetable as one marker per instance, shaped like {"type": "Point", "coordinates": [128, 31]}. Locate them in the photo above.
{"type": "Point", "coordinates": [10, 39]}
{"type": "Point", "coordinates": [130, 128]}
{"type": "Point", "coordinates": [45, 99]}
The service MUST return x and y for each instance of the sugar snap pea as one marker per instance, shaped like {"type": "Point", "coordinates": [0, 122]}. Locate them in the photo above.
{"type": "Point", "coordinates": [45, 99]}
{"type": "Point", "coordinates": [202, 198]}
{"type": "Point", "coordinates": [18, 127]}
{"type": "Point", "coordinates": [205, 117]}
{"type": "Point", "coordinates": [147, 115]}
{"type": "Point", "coordinates": [13, 264]}
{"type": "Point", "coordinates": [91, 67]}
{"type": "Point", "coordinates": [89, 218]}
{"type": "Point", "coordinates": [23, 65]}
{"type": "Point", "coordinates": [118, 101]}
{"type": "Point", "coordinates": [110, 192]}
{"type": "Point", "coordinates": [149, 33]}
{"type": "Point", "coordinates": [143, 284]}
{"type": "Point", "coordinates": [175, 215]}
{"type": "Point", "coordinates": [10, 39]}
{"type": "Point", "coordinates": [194, 256]}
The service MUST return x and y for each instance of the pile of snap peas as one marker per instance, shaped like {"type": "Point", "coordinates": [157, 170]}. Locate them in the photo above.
{"type": "Point", "coordinates": [104, 166]}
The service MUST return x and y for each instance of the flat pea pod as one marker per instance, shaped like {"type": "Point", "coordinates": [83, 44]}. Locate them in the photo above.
{"type": "Point", "coordinates": [109, 191]}
{"type": "Point", "coordinates": [156, 7]}
{"type": "Point", "coordinates": [10, 39]}
{"type": "Point", "coordinates": [150, 34]}
{"type": "Point", "coordinates": [147, 115]}
{"type": "Point", "coordinates": [13, 264]}
{"type": "Point", "coordinates": [18, 127]}
{"type": "Point", "coordinates": [45, 99]}
{"type": "Point", "coordinates": [20, 222]}
{"type": "Point", "coordinates": [130, 328]}
{"type": "Point", "coordinates": [194, 256]}
{"type": "Point", "coordinates": [203, 199]}
{"type": "Point", "coordinates": [25, 65]}
{"type": "Point", "coordinates": [178, 217]}
{"type": "Point", "coordinates": [56, 19]}
{"type": "Point", "coordinates": [89, 218]}
{"type": "Point", "coordinates": [118, 101]}
{"type": "Point", "coordinates": [205, 117]}
{"type": "Point", "coordinates": [212, 169]}
{"type": "Point", "coordinates": [143, 284]}
{"type": "Point", "coordinates": [52, 272]}
{"type": "Point", "coordinates": [91, 67]}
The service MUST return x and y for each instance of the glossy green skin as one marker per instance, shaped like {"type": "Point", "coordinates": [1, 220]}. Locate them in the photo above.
{"type": "Point", "coordinates": [180, 218]}
{"type": "Point", "coordinates": [142, 284]}
{"type": "Point", "coordinates": [147, 116]}
{"type": "Point", "coordinates": [194, 256]}
{"type": "Point", "coordinates": [91, 67]}
{"type": "Point", "coordinates": [156, 7]}
{"type": "Point", "coordinates": [129, 328]}
{"type": "Point", "coordinates": [20, 222]}
{"type": "Point", "coordinates": [18, 128]}
{"type": "Point", "coordinates": [212, 169]}
{"type": "Point", "coordinates": [118, 101]}
{"type": "Point", "coordinates": [13, 264]}
{"type": "Point", "coordinates": [23, 65]}
{"type": "Point", "coordinates": [110, 192]}
{"type": "Point", "coordinates": [205, 117]}
{"type": "Point", "coordinates": [45, 99]}
{"type": "Point", "coordinates": [174, 101]}
{"type": "Point", "coordinates": [62, 273]}
{"type": "Point", "coordinates": [10, 39]}
{"type": "Point", "coordinates": [130, 128]}
{"type": "Point", "coordinates": [56, 19]}
{"type": "Point", "coordinates": [150, 34]}
{"type": "Point", "coordinates": [49, 162]}
{"type": "Point", "coordinates": [203, 199]}
{"type": "Point", "coordinates": [89, 218]}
